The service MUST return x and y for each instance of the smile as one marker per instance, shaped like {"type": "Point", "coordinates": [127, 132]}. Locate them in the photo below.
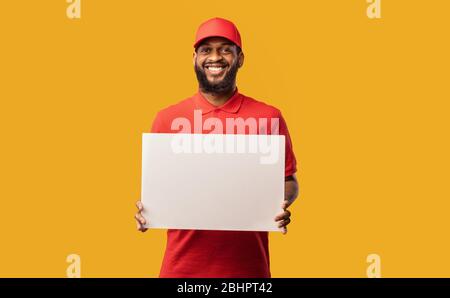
{"type": "Point", "coordinates": [215, 70]}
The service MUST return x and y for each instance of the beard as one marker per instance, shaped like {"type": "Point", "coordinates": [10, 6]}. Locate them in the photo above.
{"type": "Point", "coordinates": [226, 85]}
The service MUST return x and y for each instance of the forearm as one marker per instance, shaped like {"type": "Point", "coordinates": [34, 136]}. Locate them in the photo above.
{"type": "Point", "coordinates": [291, 189]}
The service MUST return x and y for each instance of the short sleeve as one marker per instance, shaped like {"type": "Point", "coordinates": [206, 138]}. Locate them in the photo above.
{"type": "Point", "coordinates": [157, 126]}
{"type": "Point", "coordinates": [290, 161]}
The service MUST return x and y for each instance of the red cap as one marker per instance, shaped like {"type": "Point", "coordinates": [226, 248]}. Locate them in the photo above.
{"type": "Point", "coordinates": [218, 27]}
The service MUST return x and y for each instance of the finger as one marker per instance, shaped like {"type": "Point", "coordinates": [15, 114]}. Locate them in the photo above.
{"type": "Point", "coordinates": [140, 227]}
{"type": "Point", "coordinates": [285, 204]}
{"type": "Point", "coordinates": [285, 215]}
{"type": "Point", "coordinates": [140, 218]}
{"type": "Point", "coordinates": [139, 205]}
{"type": "Point", "coordinates": [284, 230]}
{"type": "Point", "coordinates": [279, 216]}
{"type": "Point", "coordinates": [283, 223]}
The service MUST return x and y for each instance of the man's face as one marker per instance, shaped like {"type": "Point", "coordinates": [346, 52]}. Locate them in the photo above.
{"type": "Point", "coordinates": [217, 61]}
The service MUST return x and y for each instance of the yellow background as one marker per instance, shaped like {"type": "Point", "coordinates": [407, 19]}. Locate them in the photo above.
{"type": "Point", "coordinates": [366, 102]}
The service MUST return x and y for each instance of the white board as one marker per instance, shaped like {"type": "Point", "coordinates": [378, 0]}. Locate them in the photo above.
{"type": "Point", "coordinates": [212, 182]}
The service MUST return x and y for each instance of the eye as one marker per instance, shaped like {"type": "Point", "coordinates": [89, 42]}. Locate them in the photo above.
{"type": "Point", "coordinates": [226, 50]}
{"type": "Point", "coordinates": [204, 50]}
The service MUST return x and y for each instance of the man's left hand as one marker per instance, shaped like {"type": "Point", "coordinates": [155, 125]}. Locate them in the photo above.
{"type": "Point", "coordinates": [284, 218]}
{"type": "Point", "coordinates": [290, 194]}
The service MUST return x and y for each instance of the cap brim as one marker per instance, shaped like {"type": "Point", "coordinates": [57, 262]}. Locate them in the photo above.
{"type": "Point", "coordinates": [204, 38]}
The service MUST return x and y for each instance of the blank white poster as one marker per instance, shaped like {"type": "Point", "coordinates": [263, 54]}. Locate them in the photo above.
{"type": "Point", "coordinates": [212, 181]}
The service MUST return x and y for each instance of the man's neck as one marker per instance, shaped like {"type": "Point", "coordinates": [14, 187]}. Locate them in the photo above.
{"type": "Point", "coordinates": [218, 99]}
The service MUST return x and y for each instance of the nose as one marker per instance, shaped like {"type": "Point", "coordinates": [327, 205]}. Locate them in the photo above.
{"type": "Point", "coordinates": [214, 56]}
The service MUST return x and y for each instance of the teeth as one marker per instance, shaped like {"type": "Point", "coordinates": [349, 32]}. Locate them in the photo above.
{"type": "Point", "coordinates": [215, 68]}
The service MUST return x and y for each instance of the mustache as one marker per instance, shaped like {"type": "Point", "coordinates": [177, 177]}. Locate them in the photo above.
{"type": "Point", "coordinates": [217, 63]}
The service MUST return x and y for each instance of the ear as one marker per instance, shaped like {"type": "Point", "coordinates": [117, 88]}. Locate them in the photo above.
{"type": "Point", "coordinates": [194, 56]}
{"type": "Point", "coordinates": [241, 59]}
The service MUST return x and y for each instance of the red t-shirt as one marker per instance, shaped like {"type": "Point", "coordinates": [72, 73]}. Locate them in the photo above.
{"type": "Point", "coordinates": [206, 253]}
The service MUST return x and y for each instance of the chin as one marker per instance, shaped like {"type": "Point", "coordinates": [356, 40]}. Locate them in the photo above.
{"type": "Point", "coordinates": [215, 82]}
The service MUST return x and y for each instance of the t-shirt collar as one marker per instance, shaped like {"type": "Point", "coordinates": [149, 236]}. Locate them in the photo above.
{"type": "Point", "coordinates": [232, 105]}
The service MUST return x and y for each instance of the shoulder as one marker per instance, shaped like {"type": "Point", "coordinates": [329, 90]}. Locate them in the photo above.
{"type": "Point", "coordinates": [254, 106]}
{"type": "Point", "coordinates": [164, 117]}
{"type": "Point", "coordinates": [176, 110]}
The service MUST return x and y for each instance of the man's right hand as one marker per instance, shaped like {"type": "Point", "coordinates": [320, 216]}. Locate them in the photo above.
{"type": "Point", "coordinates": [140, 220]}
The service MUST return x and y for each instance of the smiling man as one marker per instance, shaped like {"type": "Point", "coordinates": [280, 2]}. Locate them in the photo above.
{"type": "Point", "coordinates": [217, 58]}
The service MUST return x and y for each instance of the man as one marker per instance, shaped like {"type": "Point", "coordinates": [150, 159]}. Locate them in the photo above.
{"type": "Point", "coordinates": [204, 253]}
